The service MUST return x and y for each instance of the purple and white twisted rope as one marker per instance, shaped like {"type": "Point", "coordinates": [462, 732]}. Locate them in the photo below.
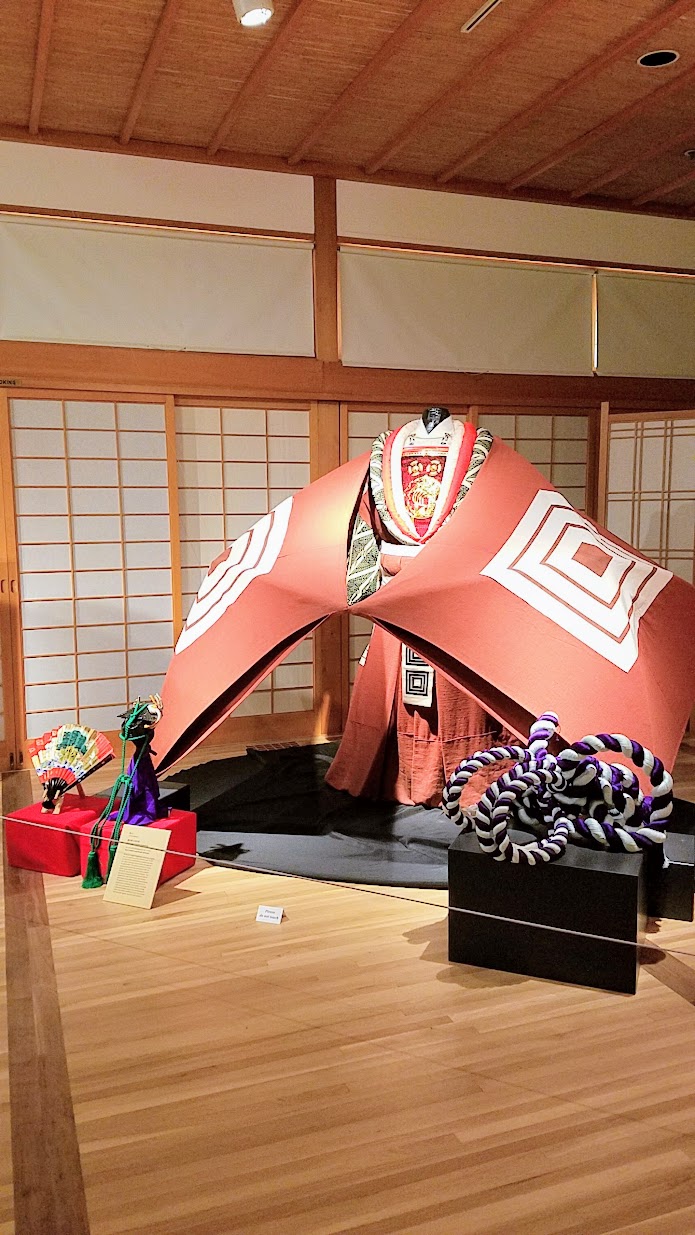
{"type": "Point", "coordinates": [574, 796]}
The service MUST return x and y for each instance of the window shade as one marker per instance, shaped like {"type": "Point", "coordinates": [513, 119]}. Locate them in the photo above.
{"type": "Point", "coordinates": [402, 311]}
{"type": "Point", "coordinates": [140, 287]}
{"type": "Point", "coordinates": [646, 325]}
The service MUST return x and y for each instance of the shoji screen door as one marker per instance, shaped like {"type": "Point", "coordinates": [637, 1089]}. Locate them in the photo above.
{"type": "Point", "coordinates": [93, 538]}
{"type": "Point", "coordinates": [651, 486]}
{"type": "Point", "coordinates": [559, 444]}
{"type": "Point", "coordinates": [234, 464]}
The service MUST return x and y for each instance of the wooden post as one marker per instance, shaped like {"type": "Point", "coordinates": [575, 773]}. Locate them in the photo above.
{"type": "Point", "coordinates": [325, 270]}
{"type": "Point", "coordinates": [330, 643]}
{"type": "Point", "coordinates": [174, 529]}
{"type": "Point", "coordinates": [602, 470]}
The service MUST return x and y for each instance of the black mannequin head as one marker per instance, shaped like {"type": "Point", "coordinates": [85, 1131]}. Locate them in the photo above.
{"type": "Point", "coordinates": [433, 416]}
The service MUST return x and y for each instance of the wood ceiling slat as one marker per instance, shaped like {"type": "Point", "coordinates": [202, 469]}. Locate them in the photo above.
{"type": "Point", "coordinates": [608, 125]}
{"type": "Point", "coordinates": [43, 47]}
{"type": "Point", "coordinates": [414, 22]}
{"type": "Point", "coordinates": [619, 48]}
{"type": "Point", "coordinates": [260, 70]}
{"type": "Point", "coordinates": [424, 66]}
{"type": "Point", "coordinates": [20, 28]}
{"type": "Point", "coordinates": [205, 59]}
{"type": "Point", "coordinates": [585, 111]}
{"type": "Point", "coordinates": [684, 138]}
{"type": "Point", "coordinates": [662, 190]}
{"type": "Point", "coordinates": [538, 16]}
{"type": "Point", "coordinates": [327, 63]}
{"type": "Point", "coordinates": [156, 50]}
{"type": "Point", "coordinates": [534, 66]}
{"type": "Point", "coordinates": [97, 52]}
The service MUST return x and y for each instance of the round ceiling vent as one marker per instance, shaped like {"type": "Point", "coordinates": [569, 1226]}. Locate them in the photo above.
{"type": "Point", "coordinates": [658, 59]}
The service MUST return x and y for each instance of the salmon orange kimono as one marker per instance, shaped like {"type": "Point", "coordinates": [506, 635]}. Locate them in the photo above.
{"type": "Point", "coordinates": [517, 598]}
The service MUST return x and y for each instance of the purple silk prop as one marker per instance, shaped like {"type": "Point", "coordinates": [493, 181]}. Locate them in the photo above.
{"type": "Point", "coordinates": [143, 805]}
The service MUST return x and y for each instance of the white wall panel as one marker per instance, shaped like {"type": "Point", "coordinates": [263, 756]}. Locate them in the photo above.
{"type": "Point", "coordinates": [646, 325]}
{"type": "Point", "coordinates": [69, 282]}
{"type": "Point", "coordinates": [132, 186]}
{"type": "Point", "coordinates": [424, 216]}
{"type": "Point", "coordinates": [449, 314]}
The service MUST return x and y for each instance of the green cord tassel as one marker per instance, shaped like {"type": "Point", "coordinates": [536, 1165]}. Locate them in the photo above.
{"type": "Point", "coordinates": [92, 876]}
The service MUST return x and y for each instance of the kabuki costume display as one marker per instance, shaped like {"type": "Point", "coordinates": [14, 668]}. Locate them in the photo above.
{"type": "Point", "coordinates": [512, 595]}
{"type": "Point", "coordinates": [408, 726]}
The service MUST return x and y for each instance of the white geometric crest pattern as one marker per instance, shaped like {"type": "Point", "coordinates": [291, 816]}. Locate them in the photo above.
{"type": "Point", "coordinates": [594, 589]}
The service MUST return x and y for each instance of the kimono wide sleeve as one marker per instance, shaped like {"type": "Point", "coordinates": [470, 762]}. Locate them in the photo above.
{"type": "Point", "coordinates": [529, 605]}
{"type": "Point", "coordinates": [273, 586]}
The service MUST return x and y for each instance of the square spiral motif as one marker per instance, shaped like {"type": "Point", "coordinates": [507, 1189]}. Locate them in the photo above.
{"type": "Point", "coordinates": [417, 683]}
{"type": "Point", "coordinates": [594, 589]}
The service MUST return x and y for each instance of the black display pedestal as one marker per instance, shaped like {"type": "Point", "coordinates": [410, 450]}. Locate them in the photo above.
{"type": "Point", "coordinates": [592, 893]}
{"type": "Point", "coordinates": [670, 888]}
{"type": "Point", "coordinates": [176, 794]}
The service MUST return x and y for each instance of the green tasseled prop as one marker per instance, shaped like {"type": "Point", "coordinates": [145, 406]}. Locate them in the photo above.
{"type": "Point", "coordinates": [93, 877]}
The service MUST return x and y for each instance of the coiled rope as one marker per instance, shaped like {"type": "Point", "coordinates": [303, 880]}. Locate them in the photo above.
{"type": "Point", "coordinates": [572, 796]}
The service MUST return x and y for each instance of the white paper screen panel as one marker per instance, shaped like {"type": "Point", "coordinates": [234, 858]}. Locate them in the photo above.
{"type": "Point", "coordinates": [71, 282]}
{"type": "Point", "coordinates": [457, 315]}
{"type": "Point", "coordinates": [93, 537]}
{"type": "Point", "coordinates": [557, 445]}
{"type": "Point", "coordinates": [234, 465]}
{"type": "Point", "coordinates": [651, 489]}
{"type": "Point", "coordinates": [646, 325]}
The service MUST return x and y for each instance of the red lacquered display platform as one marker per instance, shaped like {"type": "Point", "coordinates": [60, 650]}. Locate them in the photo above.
{"type": "Point", "coordinates": [52, 848]}
{"type": "Point", "coordinates": [181, 824]}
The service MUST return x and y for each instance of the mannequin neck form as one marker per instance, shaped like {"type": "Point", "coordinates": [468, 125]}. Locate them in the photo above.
{"type": "Point", "coordinates": [433, 416]}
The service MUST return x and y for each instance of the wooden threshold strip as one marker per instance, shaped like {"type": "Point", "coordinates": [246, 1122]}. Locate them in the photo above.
{"type": "Point", "coordinates": [49, 1193]}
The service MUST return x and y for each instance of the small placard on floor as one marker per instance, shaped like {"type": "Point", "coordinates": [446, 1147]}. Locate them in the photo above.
{"type": "Point", "coordinates": [270, 913]}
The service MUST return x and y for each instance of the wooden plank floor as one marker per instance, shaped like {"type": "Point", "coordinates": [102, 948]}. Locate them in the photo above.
{"type": "Point", "coordinates": [334, 1074]}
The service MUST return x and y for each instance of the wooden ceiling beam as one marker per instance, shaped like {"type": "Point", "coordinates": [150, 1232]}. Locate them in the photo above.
{"type": "Point", "coordinates": [615, 50]}
{"type": "Point", "coordinates": [663, 189]}
{"type": "Point", "coordinates": [412, 23]}
{"type": "Point", "coordinates": [152, 61]}
{"type": "Point", "coordinates": [259, 71]}
{"type": "Point", "coordinates": [600, 130]}
{"type": "Point", "coordinates": [538, 16]}
{"type": "Point", "coordinates": [43, 47]}
{"type": "Point", "coordinates": [623, 169]}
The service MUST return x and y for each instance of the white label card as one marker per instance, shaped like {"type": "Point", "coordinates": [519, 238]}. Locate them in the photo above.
{"type": "Point", "coordinates": [137, 866]}
{"type": "Point", "coordinates": [270, 913]}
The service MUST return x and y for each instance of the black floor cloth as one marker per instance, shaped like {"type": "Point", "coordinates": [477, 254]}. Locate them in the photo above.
{"type": "Point", "coordinates": [272, 810]}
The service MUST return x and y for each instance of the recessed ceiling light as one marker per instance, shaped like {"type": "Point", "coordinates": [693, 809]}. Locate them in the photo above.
{"type": "Point", "coordinates": [658, 59]}
{"type": "Point", "coordinates": [253, 12]}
